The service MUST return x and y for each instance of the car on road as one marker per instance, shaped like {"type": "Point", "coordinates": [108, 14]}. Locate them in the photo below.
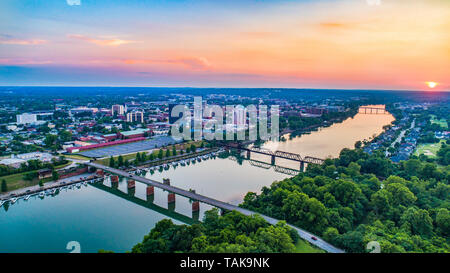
{"type": "Point", "coordinates": [314, 238]}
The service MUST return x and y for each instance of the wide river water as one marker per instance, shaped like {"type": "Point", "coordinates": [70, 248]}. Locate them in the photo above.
{"type": "Point", "coordinates": [98, 217]}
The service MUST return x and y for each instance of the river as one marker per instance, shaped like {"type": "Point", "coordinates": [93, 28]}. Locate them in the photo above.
{"type": "Point", "coordinates": [99, 218]}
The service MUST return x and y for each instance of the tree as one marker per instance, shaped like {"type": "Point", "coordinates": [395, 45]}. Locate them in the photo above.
{"type": "Point", "coordinates": [160, 154]}
{"type": "Point", "coordinates": [443, 221]}
{"type": "Point", "coordinates": [167, 153]}
{"type": "Point", "coordinates": [55, 175]}
{"type": "Point", "coordinates": [65, 136]}
{"type": "Point", "coordinates": [4, 186]}
{"type": "Point", "coordinates": [41, 183]}
{"type": "Point", "coordinates": [193, 148]}
{"type": "Point", "coordinates": [174, 150]}
{"type": "Point", "coordinates": [120, 161]}
{"type": "Point", "coordinates": [418, 221]}
{"type": "Point", "coordinates": [112, 162]}
{"type": "Point", "coordinates": [138, 157]}
{"type": "Point", "coordinates": [50, 139]}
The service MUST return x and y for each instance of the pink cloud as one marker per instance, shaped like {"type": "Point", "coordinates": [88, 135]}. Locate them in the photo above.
{"type": "Point", "coordinates": [101, 42]}
{"type": "Point", "coordinates": [196, 63]}
{"type": "Point", "coordinates": [14, 41]}
{"type": "Point", "coordinates": [21, 61]}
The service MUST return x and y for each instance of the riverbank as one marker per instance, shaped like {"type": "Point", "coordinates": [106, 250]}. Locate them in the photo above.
{"type": "Point", "coordinates": [32, 190]}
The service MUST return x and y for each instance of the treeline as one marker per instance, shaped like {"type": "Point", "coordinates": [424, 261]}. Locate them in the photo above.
{"type": "Point", "coordinates": [349, 203]}
{"type": "Point", "coordinates": [231, 233]}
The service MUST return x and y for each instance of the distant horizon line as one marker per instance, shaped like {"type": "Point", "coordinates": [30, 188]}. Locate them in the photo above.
{"type": "Point", "coordinates": [194, 87]}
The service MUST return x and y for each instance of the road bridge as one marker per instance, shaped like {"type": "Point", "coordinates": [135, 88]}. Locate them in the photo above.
{"type": "Point", "coordinates": [317, 241]}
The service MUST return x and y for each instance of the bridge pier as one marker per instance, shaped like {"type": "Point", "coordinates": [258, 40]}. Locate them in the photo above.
{"type": "Point", "coordinates": [248, 154]}
{"type": "Point", "coordinates": [114, 178]}
{"type": "Point", "coordinates": [114, 181]}
{"type": "Point", "coordinates": [150, 190]}
{"type": "Point", "coordinates": [302, 166]}
{"type": "Point", "coordinates": [171, 201]}
{"type": "Point", "coordinates": [272, 161]}
{"type": "Point", "coordinates": [131, 184]}
{"type": "Point", "coordinates": [195, 206]}
{"type": "Point", "coordinates": [171, 198]}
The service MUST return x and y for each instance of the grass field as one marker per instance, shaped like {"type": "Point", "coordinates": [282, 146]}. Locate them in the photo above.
{"type": "Point", "coordinates": [16, 181]}
{"type": "Point", "coordinates": [429, 149]}
{"type": "Point", "coordinates": [441, 122]}
{"type": "Point", "coordinates": [304, 247]}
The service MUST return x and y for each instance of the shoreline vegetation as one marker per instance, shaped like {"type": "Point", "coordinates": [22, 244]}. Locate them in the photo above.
{"type": "Point", "coordinates": [343, 201]}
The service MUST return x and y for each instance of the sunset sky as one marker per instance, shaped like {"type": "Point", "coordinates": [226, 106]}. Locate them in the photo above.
{"type": "Point", "coordinates": [394, 44]}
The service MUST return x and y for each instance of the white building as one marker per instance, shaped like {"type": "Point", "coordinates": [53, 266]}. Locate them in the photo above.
{"type": "Point", "coordinates": [26, 118]}
{"type": "Point", "coordinates": [12, 162]}
{"type": "Point", "coordinates": [118, 109]}
{"type": "Point", "coordinates": [135, 116]}
{"type": "Point", "coordinates": [44, 157]}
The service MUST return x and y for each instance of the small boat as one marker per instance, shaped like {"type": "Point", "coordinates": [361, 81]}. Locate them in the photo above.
{"type": "Point", "coordinates": [13, 200]}
{"type": "Point", "coordinates": [41, 194]}
{"type": "Point", "coordinates": [182, 163]}
{"type": "Point", "coordinates": [2, 202]}
{"type": "Point", "coordinates": [85, 184]}
{"type": "Point", "coordinates": [27, 197]}
{"type": "Point", "coordinates": [78, 186]}
{"type": "Point", "coordinates": [199, 159]}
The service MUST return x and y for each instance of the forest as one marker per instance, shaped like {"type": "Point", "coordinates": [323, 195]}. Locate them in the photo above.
{"type": "Point", "coordinates": [348, 201]}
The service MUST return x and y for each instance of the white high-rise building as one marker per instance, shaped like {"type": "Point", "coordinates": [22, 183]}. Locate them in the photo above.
{"type": "Point", "coordinates": [135, 116]}
{"type": "Point", "coordinates": [118, 109]}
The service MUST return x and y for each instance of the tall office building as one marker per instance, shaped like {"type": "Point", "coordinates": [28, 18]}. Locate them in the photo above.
{"type": "Point", "coordinates": [135, 116]}
{"type": "Point", "coordinates": [118, 109]}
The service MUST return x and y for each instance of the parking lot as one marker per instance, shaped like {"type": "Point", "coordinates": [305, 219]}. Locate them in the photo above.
{"type": "Point", "coordinates": [130, 147]}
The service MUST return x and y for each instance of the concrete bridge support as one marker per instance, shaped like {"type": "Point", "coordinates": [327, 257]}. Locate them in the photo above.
{"type": "Point", "coordinates": [114, 178]}
{"type": "Point", "coordinates": [171, 198]}
{"type": "Point", "coordinates": [248, 154]}
{"type": "Point", "coordinates": [171, 201]}
{"type": "Point", "coordinates": [150, 190]}
{"type": "Point", "coordinates": [302, 166]}
{"type": "Point", "coordinates": [131, 184]}
{"type": "Point", "coordinates": [272, 161]}
{"type": "Point", "coordinates": [195, 206]}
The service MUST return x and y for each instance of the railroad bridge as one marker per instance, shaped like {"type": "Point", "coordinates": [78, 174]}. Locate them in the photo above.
{"type": "Point", "coordinates": [276, 154]}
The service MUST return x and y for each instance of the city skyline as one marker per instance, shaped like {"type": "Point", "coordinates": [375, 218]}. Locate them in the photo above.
{"type": "Point", "coordinates": [351, 44]}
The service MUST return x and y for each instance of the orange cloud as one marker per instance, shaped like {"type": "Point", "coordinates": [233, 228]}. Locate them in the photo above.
{"type": "Point", "coordinates": [101, 42]}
